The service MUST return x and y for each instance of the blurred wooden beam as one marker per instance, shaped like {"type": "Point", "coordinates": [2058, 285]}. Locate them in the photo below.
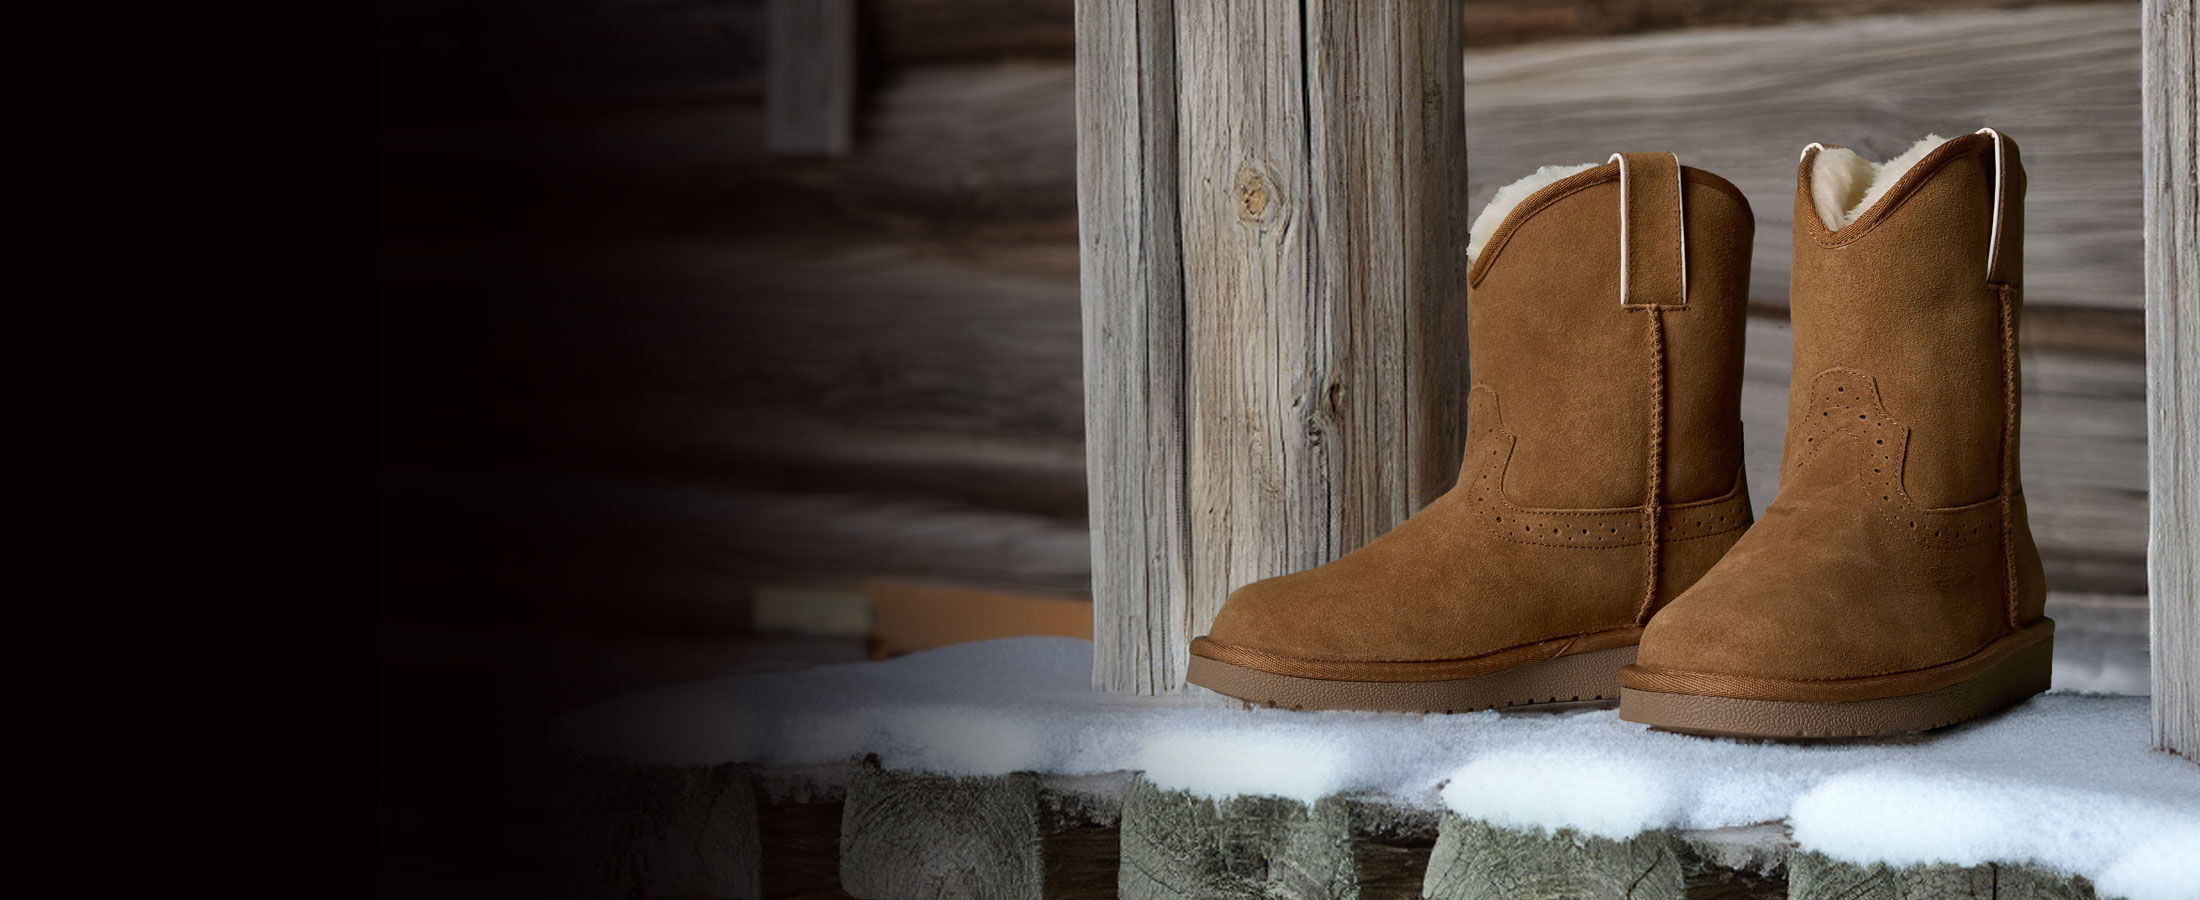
{"type": "Point", "coordinates": [810, 78]}
{"type": "Point", "coordinates": [2172, 165]}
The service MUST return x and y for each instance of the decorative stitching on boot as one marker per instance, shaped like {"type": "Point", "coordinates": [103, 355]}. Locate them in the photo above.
{"type": "Point", "coordinates": [1490, 448]}
{"type": "Point", "coordinates": [1846, 404]}
{"type": "Point", "coordinates": [1654, 478]}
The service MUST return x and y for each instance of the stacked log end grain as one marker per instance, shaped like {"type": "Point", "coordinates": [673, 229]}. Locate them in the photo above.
{"type": "Point", "coordinates": [736, 833]}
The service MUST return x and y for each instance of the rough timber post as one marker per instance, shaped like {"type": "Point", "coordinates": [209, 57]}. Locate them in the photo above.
{"type": "Point", "coordinates": [1272, 207]}
{"type": "Point", "coordinates": [1131, 281]}
{"type": "Point", "coordinates": [2172, 190]}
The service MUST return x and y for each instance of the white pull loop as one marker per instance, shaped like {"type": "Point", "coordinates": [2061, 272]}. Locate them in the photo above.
{"type": "Point", "coordinates": [2001, 191]}
{"type": "Point", "coordinates": [1680, 202]}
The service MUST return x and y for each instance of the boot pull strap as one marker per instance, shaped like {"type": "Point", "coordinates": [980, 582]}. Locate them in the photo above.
{"type": "Point", "coordinates": [2001, 198]}
{"type": "Point", "coordinates": [1653, 237]}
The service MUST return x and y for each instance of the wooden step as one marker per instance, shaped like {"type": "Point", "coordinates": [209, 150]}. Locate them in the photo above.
{"type": "Point", "coordinates": [856, 830]}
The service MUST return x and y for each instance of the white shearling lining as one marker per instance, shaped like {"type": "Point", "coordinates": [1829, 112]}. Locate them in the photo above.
{"type": "Point", "coordinates": [1843, 185]}
{"type": "Point", "coordinates": [1509, 196]}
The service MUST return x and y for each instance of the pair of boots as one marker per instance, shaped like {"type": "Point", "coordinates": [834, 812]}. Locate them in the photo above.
{"type": "Point", "coordinates": [1599, 540]}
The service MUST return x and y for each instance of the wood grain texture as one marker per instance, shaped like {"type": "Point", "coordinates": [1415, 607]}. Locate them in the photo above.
{"type": "Point", "coordinates": [1176, 845]}
{"type": "Point", "coordinates": [802, 809]}
{"type": "Point", "coordinates": [911, 836]}
{"type": "Point", "coordinates": [1132, 295]}
{"type": "Point", "coordinates": [1475, 860]}
{"type": "Point", "coordinates": [1255, 390]}
{"type": "Point", "coordinates": [1009, 836]}
{"type": "Point", "coordinates": [632, 831]}
{"type": "Point", "coordinates": [2172, 46]}
{"type": "Point", "coordinates": [810, 77]}
{"type": "Point", "coordinates": [1743, 102]}
{"type": "Point", "coordinates": [1814, 876]}
{"type": "Point", "coordinates": [1323, 230]}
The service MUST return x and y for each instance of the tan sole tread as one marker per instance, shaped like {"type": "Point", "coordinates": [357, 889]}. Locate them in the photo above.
{"type": "Point", "coordinates": [2011, 680]}
{"type": "Point", "coordinates": [1576, 678]}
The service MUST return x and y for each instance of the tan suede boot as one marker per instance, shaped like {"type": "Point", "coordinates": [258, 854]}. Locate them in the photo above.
{"type": "Point", "coordinates": [1893, 585]}
{"type": "Point", "coordinates": [1603, 467]}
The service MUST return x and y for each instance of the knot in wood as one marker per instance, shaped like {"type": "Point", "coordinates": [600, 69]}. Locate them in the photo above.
{"type": "Point", "coordinates": [1256, 194]}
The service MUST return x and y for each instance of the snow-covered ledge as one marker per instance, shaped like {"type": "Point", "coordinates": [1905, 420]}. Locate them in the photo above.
{"type": "Point", "coordinates": [1003, 740]}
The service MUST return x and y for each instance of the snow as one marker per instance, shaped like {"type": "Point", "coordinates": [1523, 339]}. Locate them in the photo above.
{"type": "Point", "coordinates": [2066, 780]}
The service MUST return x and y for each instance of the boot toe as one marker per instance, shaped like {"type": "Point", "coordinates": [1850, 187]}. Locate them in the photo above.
{"type": "Point", "coordinates": [1702, 636]}
{"type": "Point", "coordinates": [1805, 629]}
{"type": "Point", "coordinates": [1278, 615]}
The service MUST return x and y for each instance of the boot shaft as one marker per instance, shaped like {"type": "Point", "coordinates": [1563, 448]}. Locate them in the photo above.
{"type": "Point", "coordinates": [1913, 298]}
{"type": "Point", "coordinates": [1923, 292]}
{"type": "Point", "coordinates": [1608, 306]}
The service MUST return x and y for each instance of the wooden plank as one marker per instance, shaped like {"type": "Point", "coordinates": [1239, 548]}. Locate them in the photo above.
{"type": "Point", "coordinates": [1259, 497]}
{"type": "Point", "coordinates": [1303, 180]}
{"type": "Point", "coordinates": [913, 836]}
{"type": "Point", "coordinates": [1742, 103]}
{"type": "Point", "coordinates": [810, 77]}
{"type": "Point", "coordinates": [1018, 837]}
{"type": "Point", "coordinates": [1474, 859]}
{"type": "Point", "coordinates": [1132, 296]}
{"type": "Point", "coordinates": [2172, 42]}
{"type": "Point", "coordinates": [1390, 156]}
{"type": "Point", "coordinates": [1178, 845]}
{"type": "Point", "coordinates": [1815, 876]}
{"type": "Point", "coordinates": [916, 32]}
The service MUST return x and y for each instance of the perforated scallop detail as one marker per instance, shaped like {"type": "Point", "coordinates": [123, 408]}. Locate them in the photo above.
{"type": "Point", "coordinates": [1490, 450]}
{"type": "Point", "coordinates": [1845, 405]}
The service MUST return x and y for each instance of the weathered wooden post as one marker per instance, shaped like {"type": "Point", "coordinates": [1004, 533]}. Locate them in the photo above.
{"type": "Point", "coordinates": [1272, 216]}
{"type": "Point", "coordinates": [2172, 163]}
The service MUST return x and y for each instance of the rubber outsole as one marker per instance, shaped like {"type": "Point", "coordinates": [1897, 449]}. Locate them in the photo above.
{"type": "Point", "coordinates": [2008, 682]}
{"type": "Point", "coordinates": [1575, 678]}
